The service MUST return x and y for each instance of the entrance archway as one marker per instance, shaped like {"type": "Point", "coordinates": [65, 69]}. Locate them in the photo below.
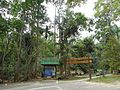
{"type": "Point", "coordinates": [81, 60]}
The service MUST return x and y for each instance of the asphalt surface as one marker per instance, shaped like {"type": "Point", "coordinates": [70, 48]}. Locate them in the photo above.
{"type": "Point", "coordinates": [59, 85]}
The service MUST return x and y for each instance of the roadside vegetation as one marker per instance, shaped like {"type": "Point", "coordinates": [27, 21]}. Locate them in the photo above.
{"type": "Point", "coordinates": [27, 35]}
{"type": "Point", "coordinates": [113, 79]}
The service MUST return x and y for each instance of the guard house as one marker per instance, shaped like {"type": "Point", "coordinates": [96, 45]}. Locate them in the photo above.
{"type": "Point", "coordinates": [49, 66]}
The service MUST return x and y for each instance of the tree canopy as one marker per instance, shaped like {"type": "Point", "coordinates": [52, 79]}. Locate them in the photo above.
{"type": "Point", "coordinates": [26, 37]}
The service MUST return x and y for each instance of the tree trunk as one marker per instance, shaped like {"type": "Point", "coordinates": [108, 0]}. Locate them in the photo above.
{"type": "Point", "coordinates": [18, 62]}
{"type": "Point", "coordinates": [5, 52]}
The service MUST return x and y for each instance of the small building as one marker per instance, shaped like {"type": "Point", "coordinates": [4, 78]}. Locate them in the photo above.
{"type": "Point", "coordinates": [49, 66]}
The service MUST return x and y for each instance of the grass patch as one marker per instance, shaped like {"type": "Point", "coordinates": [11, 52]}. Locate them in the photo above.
{"type": "Point", "coordinates": [107, 79]}
{"type": "Point", "coordinates": [74, 78]}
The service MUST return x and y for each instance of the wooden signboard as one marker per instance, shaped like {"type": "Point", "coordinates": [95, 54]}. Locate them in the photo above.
{"type": "Point", "coordinates": [81, 60]}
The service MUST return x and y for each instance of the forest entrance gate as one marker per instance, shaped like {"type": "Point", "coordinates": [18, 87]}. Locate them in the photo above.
{"type": "Point", "coordinates": [82, 60]}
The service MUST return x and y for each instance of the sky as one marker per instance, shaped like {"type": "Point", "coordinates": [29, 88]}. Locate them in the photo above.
{"type": "Point", "coordinates": [87, 9]}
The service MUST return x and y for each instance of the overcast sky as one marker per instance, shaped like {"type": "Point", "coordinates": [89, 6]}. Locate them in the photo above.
{"type": "Point", "coordinates": [87, 9]}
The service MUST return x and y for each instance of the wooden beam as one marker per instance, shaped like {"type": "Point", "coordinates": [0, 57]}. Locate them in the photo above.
{"type": "Point", "coordinates": [79, 62]}
{"type": "Point", "coordinates": [82, 58]}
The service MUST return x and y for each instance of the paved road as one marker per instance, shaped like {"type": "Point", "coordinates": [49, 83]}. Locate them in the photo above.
{"type": "Point", "coordinates": [61, 85]}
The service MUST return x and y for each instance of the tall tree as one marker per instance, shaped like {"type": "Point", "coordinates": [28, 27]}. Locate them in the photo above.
{"type": "Point", "coordinates": [106, 16]}
{"type": "Point", "coordinates": [21, 31]}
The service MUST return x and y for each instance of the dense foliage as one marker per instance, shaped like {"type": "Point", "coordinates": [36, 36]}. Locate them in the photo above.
{"type": "Point", "coordinates": [25, 37]}
{"type": "Point", "coordinates": [107, 32]}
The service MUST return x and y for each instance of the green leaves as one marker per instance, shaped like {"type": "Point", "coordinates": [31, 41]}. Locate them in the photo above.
{"type": "Point", "coordinates": [21, 47]}
{"type": "Point", "coordinates": [81, 19]}
{"type": "Point", "coordinates": [40, 1]}
{"type": "Point", "coordinates": [73, 22]}
{"type": "Point", "coordinates": [111, 52]}
{"type": "Point", "coordinates": [107, 12]}
{"type": "Point", "coordinates": [17, 24]}
{"type": "Point", "coordinates": [15, 8]}
{"type": "Point", "coordinates": [73, 3]}
{"type": "Point", "coordinates": [3, 25]}
{"type": "Point", "coordinates": [83, 47]}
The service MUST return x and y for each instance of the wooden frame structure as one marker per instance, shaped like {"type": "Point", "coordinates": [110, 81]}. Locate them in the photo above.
{"type": "Point", "coordinates": [82, 60]}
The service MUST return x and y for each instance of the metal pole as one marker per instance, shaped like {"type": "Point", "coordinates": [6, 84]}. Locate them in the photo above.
{"type": "Point", "coordinates": [55, 30]}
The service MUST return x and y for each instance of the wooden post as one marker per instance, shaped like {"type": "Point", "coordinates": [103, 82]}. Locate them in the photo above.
{"type": "Point", "coordinates": [65, 68]}
{"type": "Point", "coordinates": [55, 71]}
{"type": "Point", "coordinates": [44, 71]}
{"type": "Point", "coordinates": [90, 76]}
{"type": "Point", "coordinates": [69, 69]}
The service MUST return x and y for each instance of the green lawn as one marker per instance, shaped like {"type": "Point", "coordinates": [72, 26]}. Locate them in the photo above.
{"type": "Point", "coordinates": [77, 78]}
{"type": "Point", "coordinates": [107, 79]}
{"type": "Point", "coordinates": [73, 78]}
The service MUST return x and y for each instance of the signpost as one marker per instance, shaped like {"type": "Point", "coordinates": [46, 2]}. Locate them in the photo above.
{"type": "Point", "coordinates": [82, 60]}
